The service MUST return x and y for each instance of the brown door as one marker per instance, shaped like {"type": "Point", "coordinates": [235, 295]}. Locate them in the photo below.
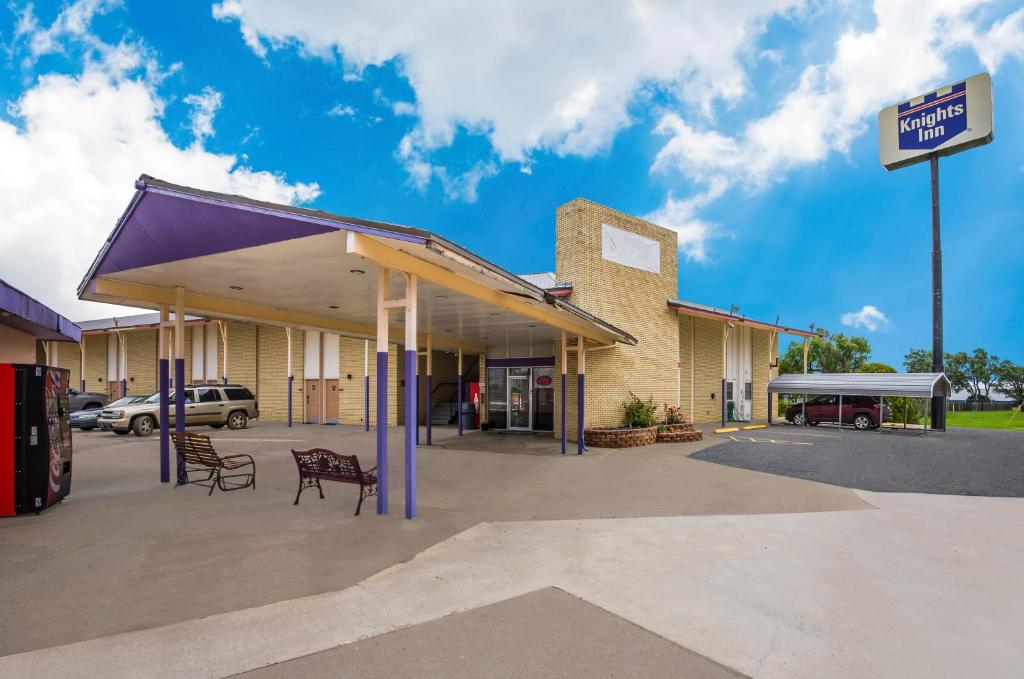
{"type": "Point", "coordinates": [332, 415]}
{"type": "Point", "coordinates": [312, 392]}
{"type": "Point", "coordinates": [114, 389]}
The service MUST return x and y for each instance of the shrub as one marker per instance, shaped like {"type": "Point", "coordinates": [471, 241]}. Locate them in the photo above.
{"type": "Point", "coordinates": [639, 413]}
{"type": "Point", "coordinates": [673, 414]}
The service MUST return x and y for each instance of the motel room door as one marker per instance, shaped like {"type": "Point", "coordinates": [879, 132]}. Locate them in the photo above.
{"type": "Point", "coordinates": [312, 392]}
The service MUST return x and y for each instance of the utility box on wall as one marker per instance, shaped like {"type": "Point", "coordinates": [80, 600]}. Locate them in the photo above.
{"type": "Point", "coordinates": [35, 438]}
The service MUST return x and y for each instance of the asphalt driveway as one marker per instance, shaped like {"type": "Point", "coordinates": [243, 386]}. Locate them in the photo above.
{"type": "Point", "coordinates": [958, 462]}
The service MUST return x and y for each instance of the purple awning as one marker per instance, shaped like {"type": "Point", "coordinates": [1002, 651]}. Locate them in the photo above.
{"type": "Point", "coordinates": [21, 312]}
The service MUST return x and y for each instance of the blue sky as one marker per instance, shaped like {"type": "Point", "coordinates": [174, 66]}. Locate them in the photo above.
{"type": "Point", "coordinates": [749, 129]}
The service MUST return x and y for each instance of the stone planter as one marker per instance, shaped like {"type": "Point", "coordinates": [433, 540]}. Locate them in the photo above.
{"type": "Point", "coordinates": [683, 426]}
{"type": "Point", "coordinates": [681, 436]}
{"type": "Point", "coordinates": [620, 438]}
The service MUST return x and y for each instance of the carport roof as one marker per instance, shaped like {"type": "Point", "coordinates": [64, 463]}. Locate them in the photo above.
{"type": "Point", "coordinates": [922, 385]}
{"type": "Point", "coordinates": [25, 314]}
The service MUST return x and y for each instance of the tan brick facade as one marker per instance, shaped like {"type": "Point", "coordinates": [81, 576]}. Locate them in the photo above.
{"type": "Point", "coordinates": [630, 298]}
{"type": "Point", "coordinates": [141, 351]}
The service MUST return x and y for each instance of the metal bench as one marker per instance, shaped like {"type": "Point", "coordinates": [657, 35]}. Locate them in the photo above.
{"type": "Point", "coordinates": [320, 464]}
{"type": "Point", "coordinates": [200, 458]}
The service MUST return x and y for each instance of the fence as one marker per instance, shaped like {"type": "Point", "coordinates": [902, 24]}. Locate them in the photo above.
{"type": "Point", "coordinates": [980, 406]}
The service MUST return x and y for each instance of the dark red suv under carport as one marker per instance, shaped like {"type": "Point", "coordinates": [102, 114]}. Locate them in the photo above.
{"type": "Point", "coordinates": [860, 411]}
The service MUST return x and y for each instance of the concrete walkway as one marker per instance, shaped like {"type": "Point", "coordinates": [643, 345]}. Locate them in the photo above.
{"type": "Point", "coordinates": [924, 586]}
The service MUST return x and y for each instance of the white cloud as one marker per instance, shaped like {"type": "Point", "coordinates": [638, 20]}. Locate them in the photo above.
{"type": "Point", "coordinates": [551, 77]}
{"type": "Point", "coordinates": [869, 318]}
{"type": "Point", "coordinates": [204, 108]}
{"type": "Point", "coordinates": [341, 111]}
{"type": "Point", "coordinates": [71, 150]}
{"type": "Point", "coordinates": [680, 215]}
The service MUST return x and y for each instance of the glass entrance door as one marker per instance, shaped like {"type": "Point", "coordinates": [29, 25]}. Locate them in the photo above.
{"type": "Point", "coordinates": [519, 390]}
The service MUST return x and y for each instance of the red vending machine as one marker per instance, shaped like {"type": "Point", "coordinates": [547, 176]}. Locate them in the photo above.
{"type": "Point", "coordinates": [35, 438]}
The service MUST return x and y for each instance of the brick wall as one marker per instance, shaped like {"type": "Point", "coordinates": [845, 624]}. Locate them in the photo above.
{"type": "Point", "coordinates": [630, 298]}
{"type": "Point", "coordinates": [141, 350]}
{"type": "Point", "coordinates": [69, 357]}
{"type": "Point", "coordinates": [242, 354]}
{"type": "Point", "coordinates": [352, 400]}
{"type": "Point", "coordinates": [272, 375]}
{"type": "Point", "coordinates": [706, 377]}
{"type": "Point", "coordinates": [95, 362]}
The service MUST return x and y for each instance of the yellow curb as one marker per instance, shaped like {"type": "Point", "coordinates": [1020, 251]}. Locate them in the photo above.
{"type": "Point", "coordinates": [755, 426]}
{"type": "Point", "coordinates": [726, 430]}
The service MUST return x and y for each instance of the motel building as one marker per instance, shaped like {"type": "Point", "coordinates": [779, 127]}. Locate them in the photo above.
{"type": "Point", "coordinates": [337, 320]}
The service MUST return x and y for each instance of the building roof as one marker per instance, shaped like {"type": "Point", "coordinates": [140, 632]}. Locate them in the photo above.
{"type": "Point", "coordinates": [921, 385]}
{"type": "Point", "coordinates": [27, 315]}
{"type": "Point", "coordinates": [246, 259]}
{"type": "Point", "coordinates": [706, 311]}
{"type": "Point", "coordinates": [134, 321]}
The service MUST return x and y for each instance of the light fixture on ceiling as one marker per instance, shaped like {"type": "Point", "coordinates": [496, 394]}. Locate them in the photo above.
{"type": "Point", "coordinates": [236, 287]}
{"type": "Point", "coordinates": [358, 271]}
{"type": "Point", "coordinates": [533, 325]}
{"type": "Point", "coordinates": [333, 306]}
{"type": "Point", "coordinates": [494, 313]}
{"type": "Point", "coordinates": [483, 338]}
{"type": "Point", "coordinates": [441, 298]}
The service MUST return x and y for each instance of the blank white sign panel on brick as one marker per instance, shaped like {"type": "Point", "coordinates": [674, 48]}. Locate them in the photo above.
{"type": "Point", "coordinates": [631, 249]}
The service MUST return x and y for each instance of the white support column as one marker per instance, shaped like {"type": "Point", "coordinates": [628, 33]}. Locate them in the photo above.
{"type": "Point", "coordinates": [383, 332]}
{"type": "Point", "coordinates": [223, 326]}
{"type": "Point", "coordinates": [366, 385]}
{"type": "Point", "coordinates": [81, 347]}
{"type": "Point", "coordinates": [291, 374]}
{"type": "Point", "coordinates": [581, 393]}
{"type": "Point", "coordinates": [807, 347]}
{"type": "Point", "coordinates": [693, 369]}
{"type": "Point", "coordinates": [411, 410]}
{"type": "Point", "coordinates": [179, 372]}
{"type": "Point", "coordinates": [564, 410]}
{"type": "Point", "coordinates": [430, 386]}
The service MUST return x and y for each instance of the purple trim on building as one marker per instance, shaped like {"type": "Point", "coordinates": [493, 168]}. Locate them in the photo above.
{"type": "Point", "coordinates": [165, 416]}
{"type": "Point", "coordinates": [31, 317]}
{"type": "Point", "coordinates": [580, 447]}
{"type": "Point", "coordinates": [458, 403]}
{"type": "Point", "coordinates": [179, 412]}
{"type": "Point", "coordinates": [563, 414]}
{"type": "Point", "coordinates": [430, 385]}
{"type": "Point", "coordinates": [525, 362]}
{"type": "Point", "coordinates": [411, 428]}
{"type": "Point", "coordinates": [366, 417]}
{"type": "Point", "coordinates": [382, 432]}
{"type": "Point", "coordinates": [291, 380]}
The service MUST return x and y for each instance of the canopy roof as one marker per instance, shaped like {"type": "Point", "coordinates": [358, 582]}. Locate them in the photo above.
{"type": "Point", "coordinates": [922, 385]}
{"type": "Point", "coordinates": [245, 259]}
{"type": "Point", "coordinates": [21, 312]}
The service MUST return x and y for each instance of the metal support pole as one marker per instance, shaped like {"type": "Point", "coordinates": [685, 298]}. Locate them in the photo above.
{"type": "Point", "coordinates": [581, 375]}
{"type": "Point", "coordinates": [769, 407]}
{"type": "Point", "coordinates": [937, 402]}
{"type": "Point", "coordinates": [565, 356]}
{"type": "Point", "coordinates": [803, 409]}
{"type": "Point", "coordinates": [366, 385]}
{"type": "Point", "coordinates": [458, 395]}
{"type": "Point", "coordinates": [165, 408]}
{"type": "Point", "coordinates": [430, 386]}
{"type": "Point", "coordinates": [840, 411]}
{"type": "Point", "coordinates": [411, 411]}
{"type": "Point", "coordinates": [291, 378]}
{"type": "Point", "coordinates": [881, 412]}
{"type": "Point", "coordinates": [723, 401]}
{"type": "Point", "coordinates": [179, 372]}
{"type": "Point", "coordinates": [382, 393]}
{"type": "Point", "coordinates": [81, 346]}
{"type": "Point", "coordinates": [222, 326]}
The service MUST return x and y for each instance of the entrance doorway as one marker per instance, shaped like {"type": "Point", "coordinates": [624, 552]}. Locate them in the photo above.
{"type": "Point", "coordinates": [521, 398]}
{"type": "Point", "coordinates": [312, 392]}
{"type": "Point", "coordinates": [519, 413]}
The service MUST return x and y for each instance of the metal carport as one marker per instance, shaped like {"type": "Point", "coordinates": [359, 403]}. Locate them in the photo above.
{"type": "Point", "coordinates": [880, 385]}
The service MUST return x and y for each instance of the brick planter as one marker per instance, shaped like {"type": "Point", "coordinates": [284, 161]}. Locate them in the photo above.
{"type": "Point", "coordinates": [684, 426]}
{"type": "Point", "coordinates": [620, 438]}
{"type": "Point", "coordinates": [679, 436]}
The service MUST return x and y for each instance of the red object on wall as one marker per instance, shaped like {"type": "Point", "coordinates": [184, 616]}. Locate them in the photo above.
{"type": "Point", "coordinates": [6, 440]}
{"type": "Point", "coordinates": [474, 398]}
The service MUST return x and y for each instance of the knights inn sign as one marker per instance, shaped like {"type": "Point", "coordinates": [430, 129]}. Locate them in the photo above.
{"type": "Point", "coordinates": [950, 119]}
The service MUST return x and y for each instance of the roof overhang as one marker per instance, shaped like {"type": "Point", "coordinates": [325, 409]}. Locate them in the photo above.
{"type": "Point", "coordinates": [919, 385]}
{"type": "Point", "coordinates": [25, 314]}
{"type": "Point", "coordinates": [703, 311]}
{"type": "Point", "coordinates": [248, 260]}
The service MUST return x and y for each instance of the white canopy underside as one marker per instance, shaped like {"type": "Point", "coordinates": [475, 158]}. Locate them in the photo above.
{"type": "Point", "coordinates": [919, 385]}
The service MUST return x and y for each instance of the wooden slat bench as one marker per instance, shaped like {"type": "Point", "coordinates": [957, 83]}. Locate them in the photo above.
{"type": "Point", "coordinates": [320, 464]}
{"type": "Point", "coordinates": [200, 458]}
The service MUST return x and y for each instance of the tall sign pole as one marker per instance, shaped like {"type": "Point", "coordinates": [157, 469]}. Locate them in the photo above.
{"type": "Point", "coordinates": [938, 408]}
{"type": "Point", "coordinates": [951, 119]}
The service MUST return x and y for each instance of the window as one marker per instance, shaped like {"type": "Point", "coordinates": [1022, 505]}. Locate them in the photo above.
{"type": "Point", "coordinates": [748, 391]}
{"type": "Point", "coordinates": [728, 391]}
{"type": "Point", "coordinates": [209, 395]}
{"type": "Point", "coordinates": [238, 394]}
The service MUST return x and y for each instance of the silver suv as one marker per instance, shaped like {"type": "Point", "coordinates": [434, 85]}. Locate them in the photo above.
{"type": "Point", "coordinates": [211, 404]}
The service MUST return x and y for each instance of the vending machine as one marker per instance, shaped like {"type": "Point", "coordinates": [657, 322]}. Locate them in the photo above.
{"type": "Point", "coordinates": [35, 438]}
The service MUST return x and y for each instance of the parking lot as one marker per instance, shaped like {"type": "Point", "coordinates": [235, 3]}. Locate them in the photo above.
{"type": "Point", "coordinates": [956, 462]}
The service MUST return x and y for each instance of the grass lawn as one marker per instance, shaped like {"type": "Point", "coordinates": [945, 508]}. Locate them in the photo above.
{"type": "Point", "coordinates": [986, 420]}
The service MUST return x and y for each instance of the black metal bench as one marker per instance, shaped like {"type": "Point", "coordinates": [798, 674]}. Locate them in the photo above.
{"type": "Point", "coordinates": [200, 458]}
{"type": "Point", "coordinates": [320, 464]}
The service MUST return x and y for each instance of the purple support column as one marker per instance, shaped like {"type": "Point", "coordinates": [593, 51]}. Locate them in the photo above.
{"type": "Point", "coordinates": [416, 420]}
{"type": "Point", "coordinates": [124, 388]}
{"type": "Point", "coordinates": [411, 429]}
{"type": "Point", "coordinates": [291, 380]}
{"type": "Point", "coordinates": [83, 386]}
{"type": "Point", "coordinates": [458, 403]}
{"type": "Point", "coordinates": [382, 432]}
{"type": "Point", "coordinates": [430, 385]}
{"type": "Point", "coordinates": [179, 411]}
{"type": "Point", "coordinates": [165, 416]}
{"type": "Point", "coordinates": [366, 417]}
{"type": "Point", "coordinates": [563, 414]}
{"type": "Point", "coordinates": [225, 379]}
{"type": "Point", "coordinates": [579, 414]}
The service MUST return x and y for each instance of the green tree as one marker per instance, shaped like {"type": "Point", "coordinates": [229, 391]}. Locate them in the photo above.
{"type": "Point", "coordinates": [918, 361]}
{"type": "Point", "coordinates": [877, 368]}
{"type": "Point", "coordinates": [1011, 380]}
{"type": "Point", "coordinates": [827, 354]}
{"type": "Point", "coordinates": [975, 373]}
